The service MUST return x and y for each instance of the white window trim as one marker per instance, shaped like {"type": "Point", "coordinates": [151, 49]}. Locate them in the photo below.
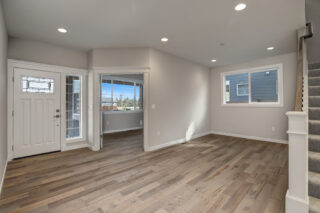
{"type": "Point", "coordinates": [238, 90]}
{"type": "Point", "coordinates": [134, 81]}
{"type": "Point", "coordinates": [279, 103]}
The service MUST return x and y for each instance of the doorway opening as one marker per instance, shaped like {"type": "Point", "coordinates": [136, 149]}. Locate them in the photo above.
{"type": "Point", "coordinates": [122, 111]}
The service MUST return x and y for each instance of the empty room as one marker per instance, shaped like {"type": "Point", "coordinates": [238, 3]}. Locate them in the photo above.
{"type": "Point", "coordinates": [171, 106]}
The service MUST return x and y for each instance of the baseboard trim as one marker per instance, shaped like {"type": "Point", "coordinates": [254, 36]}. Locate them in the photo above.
{"type": "Point", "coordinates": [251, 137]}
{"type": "Point", "coordinates": [2, 178]}
{"type": "Point", "coordinates": [295, 204]}
{"type": "Point", "coordinates": [76, 145]}
{"type": "Point", "coordinates": [122, 130]}
{"type": "Point", "coordinates": [175, 142]}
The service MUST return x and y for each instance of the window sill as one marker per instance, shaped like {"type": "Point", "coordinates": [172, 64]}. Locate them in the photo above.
{"type": "Point", "coordinates": [122, 112]}
{"type": "Point", "coordinates": [75, 140]}
{"type": "Point", "coordinates": [265, 105]}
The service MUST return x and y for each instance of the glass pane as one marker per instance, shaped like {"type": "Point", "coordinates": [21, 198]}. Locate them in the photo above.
{"type": "Point", "coordinates": [236, 88]}
{"type": "Point", "coordinates": [73, 106]}
{"type": "Point", "coordinates": [264, 86]}
{"type": "Point", "coordinates": [139, 96]}
{"type": "Point", "coordinates": [123, 96]}
{"type": "Point", "coordinates": [37, 85]}
{"type": "Point", "coordinates": [106, 104]}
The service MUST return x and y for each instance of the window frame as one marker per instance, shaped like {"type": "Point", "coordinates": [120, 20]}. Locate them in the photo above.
{"type": "Point", "coordinates": [238, 89]}
{"type": "Point", "coordinates": [113, 78]}
{"type": "Point", "coordinates": [279, 103]}
{"type": "Point", "coordinates": [82, 110]}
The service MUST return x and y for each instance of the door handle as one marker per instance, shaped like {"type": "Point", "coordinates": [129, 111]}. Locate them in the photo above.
{"type": "Point", "coordinates": [56, 116]}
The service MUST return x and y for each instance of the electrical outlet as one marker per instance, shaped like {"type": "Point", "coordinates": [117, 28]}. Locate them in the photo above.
{"type": "Point", "coordinates": [153, 106]}
{"type": "Point", "coordinates": [158, 133]}
{"type": "Point", "coordinates": [108, 123]}
{"type": "Point", "coordinates": [273, 128]}
{"type": "Point", "coordinates": [141, 122]}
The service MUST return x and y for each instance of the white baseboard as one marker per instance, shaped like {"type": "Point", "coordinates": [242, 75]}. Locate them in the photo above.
{"type": "Point", "coordinates": [94, 148]}
{"type": "Point", "coordinates": [3, 175]}
{"type": "Point", "coordinates": [175, 142]}
{"type": "Point", "coordinates": [122, 130]}
{"type": "Point", "coordinates": [251, 137]}
{"type": "Point", "coordinates": [294, 204]}
{"type": "Point", "coordinates": [71, 146]}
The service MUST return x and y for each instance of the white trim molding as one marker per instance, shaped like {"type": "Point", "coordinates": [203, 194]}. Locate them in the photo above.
{"type": "Point", "coordinates": [251, 137]}
{"type": "Point", "coordinates": [122, 130]}
{"type": "Point", "coordinates": [3, 176]}
{"type": "Point", "coordinates": [175, 142]}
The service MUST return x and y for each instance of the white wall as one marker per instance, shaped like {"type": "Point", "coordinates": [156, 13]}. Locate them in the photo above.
{"type": "Point", "coordinates": [119, 57]}
{"type": "Point", "coordinates": [122, 121]}
{"type": "Point", "coordinates": [255, 121]}
{"type": "Point", "coordinates": [180, 91]}
{"type": "Point", "coordinates": [3, 95]}
{"type": "Point", "coordinates": [40, 52]}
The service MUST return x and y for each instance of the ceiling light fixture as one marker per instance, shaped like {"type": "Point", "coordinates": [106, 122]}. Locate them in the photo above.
{"type": "Point", "coordinates": [164, 39]}
{"type": "Point", "coordinates": [62, 30]}
{"type": "Point", "coordinates": [270, 48]}
{"type": "Point", "coordinates": [213, 60]}
{"type": "Point", "coordinates": [240, 7]}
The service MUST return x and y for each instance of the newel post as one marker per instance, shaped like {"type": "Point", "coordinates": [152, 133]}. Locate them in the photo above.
{"type": "Point", "coordinates": [297, 199]}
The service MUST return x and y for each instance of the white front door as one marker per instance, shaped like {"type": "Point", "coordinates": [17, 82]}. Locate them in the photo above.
{"type": "Point", "coordinates": [36, 112]}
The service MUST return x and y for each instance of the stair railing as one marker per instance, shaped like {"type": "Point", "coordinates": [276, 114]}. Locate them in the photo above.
{"type": "Point", "coordinates": [297, 199]}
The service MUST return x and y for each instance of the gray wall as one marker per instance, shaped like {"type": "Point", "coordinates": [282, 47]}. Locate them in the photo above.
{"type": "Point", "coordinates": [254, 121]}
{"type": "Point", "coordinates": [313, 44]}
{"type": "Point", "coordinates": [41, 52]}
{"type": "Point", "coordinates": [119, 121]}
{"type": "Point", "coordinates": [3, 94]}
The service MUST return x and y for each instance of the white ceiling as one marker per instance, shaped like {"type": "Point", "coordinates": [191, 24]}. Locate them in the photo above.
{"type": "Point", "coordinates": [195, 28]}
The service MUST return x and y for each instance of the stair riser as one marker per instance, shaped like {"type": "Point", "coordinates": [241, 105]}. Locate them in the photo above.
{"type": "Point", "coordinates": [314, 82]}
{"type": "Point", "coordinates": [314, 145]}
{"type": "Point", "coordinates": [314, 114]}
{"type": "Point", "coordinates": [314, 190]}
{"type": "Point", "coordinates": [314, 73]}
{"type": "Point", "coordinates": [314, 102]}
{"type": "Point", "coordinates": [314, 128]}
{"type": "Point", "coordinates": [314, 165]}
{"type": "Point", "coordinates": [314, 91]}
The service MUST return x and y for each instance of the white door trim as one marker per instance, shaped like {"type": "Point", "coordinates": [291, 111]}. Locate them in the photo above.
{"type": "Point", "coordinates": [94, 101]}
{"type": "Point", "coordinates": [12, 64]}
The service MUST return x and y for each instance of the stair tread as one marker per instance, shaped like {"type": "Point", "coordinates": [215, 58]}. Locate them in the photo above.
{"type": "Point", "coordinates": [314, 121]}
{"type": "Point", "coordinates": [314, 137]}
{"type": "Point", "coordinates": [312, 86]}
{"type": "Point", "coordinates": [314, 204]}
{"type": "Point", "coordinates": [314, 108]}
{"type": "Point", "coordinates": [314, 96]}
{"type": "Point", "coordinates": [314, 155]}
{"type": "Point", "coordinates": [314, 177]}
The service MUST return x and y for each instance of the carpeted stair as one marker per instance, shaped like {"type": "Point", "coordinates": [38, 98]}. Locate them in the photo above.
{"type": "Point", "coordinates": [314, 140]}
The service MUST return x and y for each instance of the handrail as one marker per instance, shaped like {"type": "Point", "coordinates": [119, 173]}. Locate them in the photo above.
{"type": "Point", "coordinates": [308, 33]}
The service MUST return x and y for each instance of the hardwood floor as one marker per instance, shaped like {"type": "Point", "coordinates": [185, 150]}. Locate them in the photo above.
{"type": "Point", "coordinates": [210, 174]}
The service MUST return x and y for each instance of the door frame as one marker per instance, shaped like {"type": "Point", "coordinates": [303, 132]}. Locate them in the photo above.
{"type": "Point", "coordinates": [64, 144]}
{"type": "Point", "coordinates": [94, 134]}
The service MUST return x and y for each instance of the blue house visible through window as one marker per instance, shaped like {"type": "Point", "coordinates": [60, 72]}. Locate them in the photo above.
{"type": "Point", "coordinates": [264, 87]}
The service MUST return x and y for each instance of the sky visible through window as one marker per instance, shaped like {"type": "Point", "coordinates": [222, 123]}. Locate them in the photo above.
{"type": "Point", "coordinates": [118, 90]}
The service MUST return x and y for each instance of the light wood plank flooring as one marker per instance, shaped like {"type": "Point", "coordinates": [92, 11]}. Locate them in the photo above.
{"type": "Point", "coordinates": [210, 174]}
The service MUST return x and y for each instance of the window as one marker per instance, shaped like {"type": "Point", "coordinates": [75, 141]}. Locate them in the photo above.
{"type": "Point", "coordinates": [37, 85]}
{"type": "Point", "coordinates": [73, 106]}
{"type": "Point", "coordinates": [256, 86]}
{"type": "Point", "coordinates": [121, 95]}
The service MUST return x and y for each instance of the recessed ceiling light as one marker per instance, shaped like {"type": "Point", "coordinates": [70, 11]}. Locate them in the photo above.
{"type": "Point", "coordinates": [240, 7]}
{"type": "Point", "coordinates": [164, 39]}
{"type": "Point", "coordinates": [62, 30]}
{"type": "Point", "coordinates": [213, 60]}
{"type": "Point", "coordinates": [270, 48]}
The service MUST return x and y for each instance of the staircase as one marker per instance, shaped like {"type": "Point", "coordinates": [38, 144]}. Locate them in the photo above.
{"type": "Point", "coordinates": [314, 140]}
